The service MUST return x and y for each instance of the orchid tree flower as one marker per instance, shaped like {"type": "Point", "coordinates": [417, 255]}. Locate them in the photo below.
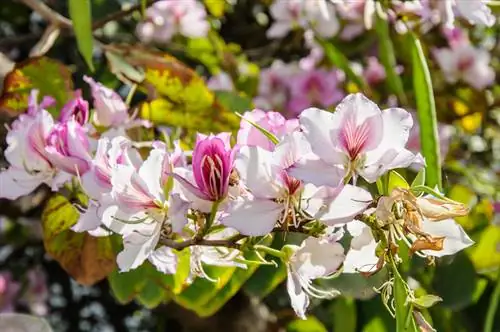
{"type": "Point", "coordinates": [317, 87]}
{"type": "Point", "coordinates": [274, 87]}
{"type": "Point", "coordinates": [77, 108]}
{"type": "Point", "coordinates": [30, 165]}
{"type": "Point", "coordinates": [96, 183]}
{"type": "Point", "coordinates": [287, 14]}
{"type": "Point", "coordinates": [273, 122]}
{"type": "Point", "coordinates": [167, 18]}
{"type": "Point", "coordinates": [9, 291]}
{"type": "Point", "coordinates": [359, 138]}
{"type": "Point", "coordinates": [68, 147]}
{"type": "Point", "coordinates": [314, 259]}
{"type": "Point", "coordinates": [110, 110]}
{"type": "Point", "coordinates": [475, 12]}
{"type": "Point", "coordinates": [465, 62]}
{"type": "Point", "coordinates": [142, 209]}
{"type": "Point", "coordinates": [208, 180]}
{"type": "Point", "coordinates": [276, 195]}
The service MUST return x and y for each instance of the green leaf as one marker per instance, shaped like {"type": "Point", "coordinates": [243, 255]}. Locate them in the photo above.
{"type": "Point", "coordinates": [216, 7]}
{"type": "Point", "coordinates": [152, 295]}
{"type": "Point", "coordinates": [126, 285]}
{"type": "Point", "coordinates": [344, 314]}
{"type": "Point", "coordinates": [50, 77]}
{"type": "Point", "coordinates": [419, 178]}
{"type": "Point", "coordinates": [339, 60]}
{"type": "Point", "coordinates": [426, 301]}
{"type": "Point", "coordinates": [485, 254]}
{"type": "Point", "coordinates": [80, 13]}
{"type": "Point", "coordinates": [265, 280]}
{"type": "Point", "coordinates": [234, 101]}
{"type": "Point", "coordinates": [457, 275]}
{"type": "Point", "coordinates": [87, 259]}
{"type": "Point", "coordinates": [355, 285]}
{"type": "Point", "coordinates": [426, 111]}
{"type": "Point", "coordinates": [311, 324]}
{"type": "Point", "coordinates": [396, 180]}
{"type": "Point", "coordinates": [388, 58]}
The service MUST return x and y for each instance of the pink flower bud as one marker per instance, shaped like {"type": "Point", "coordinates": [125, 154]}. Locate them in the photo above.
{"type": "Point", "coordinates": [109, 108]}
{"type": "Point", "coordinates": [77, 108]}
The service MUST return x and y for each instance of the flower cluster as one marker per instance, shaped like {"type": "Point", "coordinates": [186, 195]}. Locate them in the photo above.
{"type": "Point", "coordinates": [214, 202]}
{"type": "Point", "coordinates": [168, 18]}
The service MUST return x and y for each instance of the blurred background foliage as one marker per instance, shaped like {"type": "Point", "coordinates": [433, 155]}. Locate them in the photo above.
{"type": "Point", "coordinates": [172, 90]}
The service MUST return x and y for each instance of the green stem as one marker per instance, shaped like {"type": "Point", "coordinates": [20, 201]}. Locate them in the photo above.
{"type": "Point", "coordinates": [404, 318]}
{"type": "Point", "coordinates": [270, 251]}
{"type": "Point", "coordinates": [211, 218]}
{"type": "Point", "coordinates": [492, 308]}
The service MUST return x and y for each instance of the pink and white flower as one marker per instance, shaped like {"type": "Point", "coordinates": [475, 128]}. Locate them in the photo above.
{"type": "Point", "coordinates": [30, 165]}
{"type": "Point", "coordinates": [465, 62]}
{"type": "Point", "coordinates": [167, 18]}
{"type": "Point", "coordinates": [358, 138]}
{"type": "Point", "coordinates": [275, 195]}
{"type": "Point", "coordinates": [273, 122]}
{"type": "Point", "coordinates": [9, 290]}
{"type": "Point", "coordinates": [274, 90]}
{"type": "Point", "coordinates": [314, 259]}
{"type": "Point", "coordinates": [77, 108]}
{"type": "Point", "coordinates": [140, 207]}
{"type": "Point", "coordinates": [109, 108]}
{"type": "Point", "coordinates": [67, 147]}
{"type": "Point", "coordinates": [212, 164]}
{"type": "Point", "coordinates": [314, 88]}
{"type": "Point", "coordinates": [475, 12]}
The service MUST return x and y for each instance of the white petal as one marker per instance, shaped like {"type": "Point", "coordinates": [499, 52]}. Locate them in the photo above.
{"type": "Point", "coordinates": [151, 171]}
{"type": "Point", "coordinates": [455, 237]}
{"type": "Point", "coordinates": [137, 247]}
{"type": "Point", "coordinates": [177, 212]}
{"type": "Point", "coordinates": [15, 183]}
{"type": "Point", "coordinates": [319, 127]}
{"type": "Point", "coordinates": [298, 298]}
{"type": "Point", "coordinates": [120, 221]}
{"type": "Point", "coordinates": [312, 170]}
{"type": "Point", "coordinates": [361, 255]}
{"type": "Point", "coordinates": [341, 207]}
{"type": "Point", "coordinates": [254, 166]}
{"type": "Point", "coordinates": [164, 259]}
{"type": "Point", "coordinates": [252, 217]}
{"type": "Point", "coordinates": [89, 220]}
{"type": "Point", "coordinates": [476, 12]}
{"type": "Point", "coordinates": [317, 258]}
{"type": "Point", "coordinates": [278, 30]}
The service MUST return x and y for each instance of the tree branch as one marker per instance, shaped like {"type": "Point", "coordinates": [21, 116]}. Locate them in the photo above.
{"type": "Point", "coordinates": [48, 13]}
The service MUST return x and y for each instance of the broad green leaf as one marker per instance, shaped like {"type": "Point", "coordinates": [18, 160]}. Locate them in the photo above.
{"type": "Point", "coordinates": [388, 58]}
{"type": "Point", "coordinates": [80, 13]}
{"type": "Point", "coordinates": [426, 301]}
{"type": "Point", "coordinates": [152, 295]}
{"type": "Point", "coordinates": [485, 254]}
{"type": "Point", "coordinates": [338, 59]}
{"type": "Point", "coordinates": [126, 285]}
{"type": "Point", "coordinates": [87, 259]}
{"type": "Point", "coordinates": [459, 274]}
{"type": "Point", "coordinates": [265, 280]}
{"type": "Point", "coordinates": [179, 97]}
{"type": "Point", "coordinates": [48, 76]}
{"type": "Point", "coordinates": [396, 181]}
{"type": "Point", "coordinates": [237, 281]}
{"type": "Point", "coordinates": [426, 111]}
{"type": "Point", "coordinates": [206, 297]}
{"type": "Point", "coordinates": [311, 324]}
{"type": "Point", "coordinates": [344, 314]}
{"type": "Point", "coordinates": [216, 7]}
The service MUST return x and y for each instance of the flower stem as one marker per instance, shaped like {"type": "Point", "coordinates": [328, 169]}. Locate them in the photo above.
{"type": "Point", "coordinates": [403, 309]}
{"type": "Point", "coordinates": [211, 218]}
{"type": "Point", "coordinates": [492, 308]}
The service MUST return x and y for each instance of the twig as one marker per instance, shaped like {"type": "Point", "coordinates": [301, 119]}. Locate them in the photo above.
{"type": "Point", "coordinates": [48, 14]}
{"type": "Point", "coordinates": [118, 15]}
{"type": "Point", "coordinates": [201, 242]}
